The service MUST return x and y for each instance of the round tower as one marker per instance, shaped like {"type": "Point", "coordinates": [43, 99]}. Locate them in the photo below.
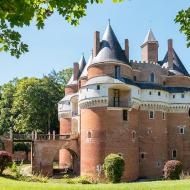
{"type": "Point", "coordinates": [105, 103]}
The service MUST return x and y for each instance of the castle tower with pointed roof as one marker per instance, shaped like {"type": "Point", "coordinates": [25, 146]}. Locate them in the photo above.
{"type": "Point", "coordinates": [140, 110]}
{"type": "Point", "coordinates": [150, 48]}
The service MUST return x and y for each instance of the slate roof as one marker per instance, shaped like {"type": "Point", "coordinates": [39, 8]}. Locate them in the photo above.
{"type": "Point", "coordinates": [148, 85]}
{"type": "Point", "coordinates": [150, 37]}
{"type": "Point", "coordinates": [84, 72]}
{"type": "Point", "coordinates": [177, 64]}
{"type": "Point", "coordinates": [110, 49]}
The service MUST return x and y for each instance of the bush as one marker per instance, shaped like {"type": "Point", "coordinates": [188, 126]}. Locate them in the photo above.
{"type": "Point", "coordinates": [172, 169]}
{"type": "Point", "coordinates": [5, 160]}
{"type": "Point", "coordinates": [80, 179]}
{"type": "Point", "coordinates": [114, 167]}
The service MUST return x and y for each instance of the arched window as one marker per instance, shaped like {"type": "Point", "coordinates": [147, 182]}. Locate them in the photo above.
{"type": "Point", "coordinates": [174, 154]}
{"type": "Point", "coordinates": [152, 77]}
{"type": "Point", "coordinates": [133, 135]}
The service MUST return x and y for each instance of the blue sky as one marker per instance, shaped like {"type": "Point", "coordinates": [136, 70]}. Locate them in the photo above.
{"type": "Point", "coordinates": [59, 44]}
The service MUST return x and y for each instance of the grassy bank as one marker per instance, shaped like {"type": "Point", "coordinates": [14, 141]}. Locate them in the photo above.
{"type": "Point", "coordinates": [8, 184]}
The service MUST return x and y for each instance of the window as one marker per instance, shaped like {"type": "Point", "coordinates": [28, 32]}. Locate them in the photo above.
{"type": "Point", "coordinates": [125, 115]}
{"type": "Point", "coordinates": [117, 72]}
{"type": "Point", "coordinates": [163, 115]}
{"type": "Point", "coordinates": [159, 93]}
{"type": "Point", "coordinates": [142, 155]}
{"type": "Point", "coordinates": [152, 77]}
{"type": "Point", "coordinates": [98, 87]}
{"type": "Point", "coordinates": [151, 114]}
{"type": "Point", "coordinates": [189, 112]}
{"type": "Point", "coordinates": [87, 89]}
{"type": "Point", "coordinates": [174, 154]}
{"type": "Point", "coordinates": [150, 93]}
{"type": "Point", "coordinates": [133, 135]}
{"type": "Point", "coordinates": [181, 130]}
{"type": "Point", "coordinates": [89, 135]}
{"type": "Point", "coordinates": [158, 163]}
{"type": "Point", "coordinates": [182, 95]}
{"type": "Point", "coordinates": [173, 95]}
{"type": "Point", "coordinates": [116, 98]}
{"type": "Point", "coordinates": [149, 131]}
{"type": "Point", "coordinates": [135, 78]}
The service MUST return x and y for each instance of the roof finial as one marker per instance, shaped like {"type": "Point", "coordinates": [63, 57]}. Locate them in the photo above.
{"type": "Point", "coordinates": [83, 54]}
{"type": "Point", "coordinates": [92, 52]}
{"type": "Point", "coordinates": [109, 21]}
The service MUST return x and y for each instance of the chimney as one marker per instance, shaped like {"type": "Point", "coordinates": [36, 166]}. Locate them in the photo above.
{"type": "Point", "coordinates": [96, 43]}
{"type": "Point", "coordinates": [127, 48]}
{"type": "Point", "coordinates": [75, 71]}
{"type": "Point", "coordinates": [170, 53]}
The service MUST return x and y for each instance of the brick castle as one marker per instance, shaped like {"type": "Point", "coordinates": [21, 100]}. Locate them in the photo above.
{"type": "Point", "coordinates": [137, 109]}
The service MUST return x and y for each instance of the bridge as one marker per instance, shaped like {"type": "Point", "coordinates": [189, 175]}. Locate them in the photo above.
{"type": "Point", "coordinates": [44, 147]}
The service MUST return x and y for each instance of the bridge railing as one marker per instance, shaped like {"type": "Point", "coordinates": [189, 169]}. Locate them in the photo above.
{"type": "Point", "coordinates": [36, 136]}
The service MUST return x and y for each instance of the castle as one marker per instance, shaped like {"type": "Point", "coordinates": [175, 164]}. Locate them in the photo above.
{"type": "Point", "coordinates": [140, 110]}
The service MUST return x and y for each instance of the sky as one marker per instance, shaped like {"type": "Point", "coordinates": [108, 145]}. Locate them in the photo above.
{"type": "Point", "coordinates": [59, 44]}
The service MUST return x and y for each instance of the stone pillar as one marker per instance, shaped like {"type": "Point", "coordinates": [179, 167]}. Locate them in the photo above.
{"type": "Point", "coordinates": [53, 135]}
{"type": "Point", "coordinates": [96, 43]}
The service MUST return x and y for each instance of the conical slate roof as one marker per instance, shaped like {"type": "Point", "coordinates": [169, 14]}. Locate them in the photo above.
{"type": "Point", "coordinates": [84, 72]}
{"type": "Point", "coordinates": [110, 49]}
{"type": "Point", "coordinates": [149, 37]}
{"type": "Point", "coordinates": [177, 64]}
{"type": "Point", "coordinates": [82, 64]}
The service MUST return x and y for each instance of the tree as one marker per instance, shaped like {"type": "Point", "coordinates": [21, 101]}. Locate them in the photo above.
{"type": "Point", "coordinates": [6, 103]}
{"type": "Point", "coordinates": [31, 104]}
{"type": "Point", "coordinates": [35, 102]}
{"type": "Point", "coordinates": [114, 167]}
{"type": "Point", "coordinates": [183, 18]}
{"type": "Point", "coordinates": [20, 13]}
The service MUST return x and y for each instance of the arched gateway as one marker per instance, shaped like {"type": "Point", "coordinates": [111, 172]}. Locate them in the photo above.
{"type": "Point", "coordinates": [44, 151]}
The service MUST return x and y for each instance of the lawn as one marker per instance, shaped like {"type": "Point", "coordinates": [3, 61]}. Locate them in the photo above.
{"type": "Point", "coordinates": [8, 184]}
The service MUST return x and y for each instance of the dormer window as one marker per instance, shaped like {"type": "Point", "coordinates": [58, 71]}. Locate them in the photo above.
{"type": "Point", "coordinates": [152, 77]}
{"type": "Point", "coordinates": [117, 71]}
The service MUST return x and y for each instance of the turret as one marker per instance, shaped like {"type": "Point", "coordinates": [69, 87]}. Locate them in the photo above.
{"type": "Point", "coordinates": [150, 48]}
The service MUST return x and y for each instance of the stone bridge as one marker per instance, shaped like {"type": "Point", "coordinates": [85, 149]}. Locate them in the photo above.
{"type": "Point", "coordinates": [44, 152]}
{"type": "Point", "coordinates": [44, 148]}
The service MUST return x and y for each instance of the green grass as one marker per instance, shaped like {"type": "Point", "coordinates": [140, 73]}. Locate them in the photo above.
{"type": "Point", "coordinates": [8, 184]}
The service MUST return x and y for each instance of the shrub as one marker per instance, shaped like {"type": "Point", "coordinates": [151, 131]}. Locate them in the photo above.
{"type": "Point", "coordinates": [80, 179]}
{"type": "Point", "coordinates": [114, 167]}
{"type": "Point", "coordinates": [5, 160]}
{"type": "Point", "coordinates": [172, 169]}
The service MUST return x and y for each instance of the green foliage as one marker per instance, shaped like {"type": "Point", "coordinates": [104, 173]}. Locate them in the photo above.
{"type": "Point", "coordinates": [77, 180]}
{"type": "Point", "coordinates": [5, 160]}
{"type": "Point", "coordinates": [114, 167]}
{"type": "Point", "coordinates": [6, 103]}
{"type": "Point", "coordinates": [21, 147]}
{"type": "Point", "coordinates": [20, 13]}
{"type": "Point", "coordinates": [183, 18]}
{"type": "Point", "coordinates": [173, 169]}
{"type": "Point", "coordinates": [31, 104]}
